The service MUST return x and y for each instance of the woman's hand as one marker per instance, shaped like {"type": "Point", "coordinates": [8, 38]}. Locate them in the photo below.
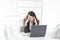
{"type": "Point", "coordinates": [27, 20]}
{"type": "Point", "coordinates": [34, 20]}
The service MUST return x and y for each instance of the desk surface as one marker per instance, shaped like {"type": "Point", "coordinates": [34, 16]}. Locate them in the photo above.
{"type": "Point", "coordinates": [23, 36]}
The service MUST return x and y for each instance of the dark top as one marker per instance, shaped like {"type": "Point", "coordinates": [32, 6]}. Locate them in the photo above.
{"type": "Point", "coordinates": [27, 28]}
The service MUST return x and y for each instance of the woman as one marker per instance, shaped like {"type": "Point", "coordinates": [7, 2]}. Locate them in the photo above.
{"type": "Point", "coordinates": [30, 20]}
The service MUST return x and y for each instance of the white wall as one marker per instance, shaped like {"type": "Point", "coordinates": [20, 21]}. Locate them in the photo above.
{"type": "Point", "coordinates": [7, 12]}
{"type": "Point", "coordinates": [51, 15]}
{"type": "Point", "coordinates": [8, 17]}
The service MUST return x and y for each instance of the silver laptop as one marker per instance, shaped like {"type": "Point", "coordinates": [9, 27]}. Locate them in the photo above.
{"type": "Point", "coordinates": [38, 30]}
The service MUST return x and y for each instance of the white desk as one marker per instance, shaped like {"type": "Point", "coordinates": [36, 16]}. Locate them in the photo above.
{"type": "Point", "coordinates": [23, 36]}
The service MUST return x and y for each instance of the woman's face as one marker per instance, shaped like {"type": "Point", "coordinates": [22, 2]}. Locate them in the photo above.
{"type": "Point", "coordinates": [30, 18]}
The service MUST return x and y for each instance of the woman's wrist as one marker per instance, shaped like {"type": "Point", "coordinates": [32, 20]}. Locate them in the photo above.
{"type": "Point", "coordinates": [35, 23]}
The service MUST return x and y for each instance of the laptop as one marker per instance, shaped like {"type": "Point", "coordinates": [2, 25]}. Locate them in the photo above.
{"type": "Point", "coordinates": [38, 30]}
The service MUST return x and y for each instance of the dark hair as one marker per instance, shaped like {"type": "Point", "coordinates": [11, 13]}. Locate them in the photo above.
{"type": "Point", "coordinates": [31, 13]}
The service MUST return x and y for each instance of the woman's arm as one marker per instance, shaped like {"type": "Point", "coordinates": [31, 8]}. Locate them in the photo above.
{"type": "Point", "coordinates": [26, 21]}
{"type": "Point", "coordinates": [36, 21]}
